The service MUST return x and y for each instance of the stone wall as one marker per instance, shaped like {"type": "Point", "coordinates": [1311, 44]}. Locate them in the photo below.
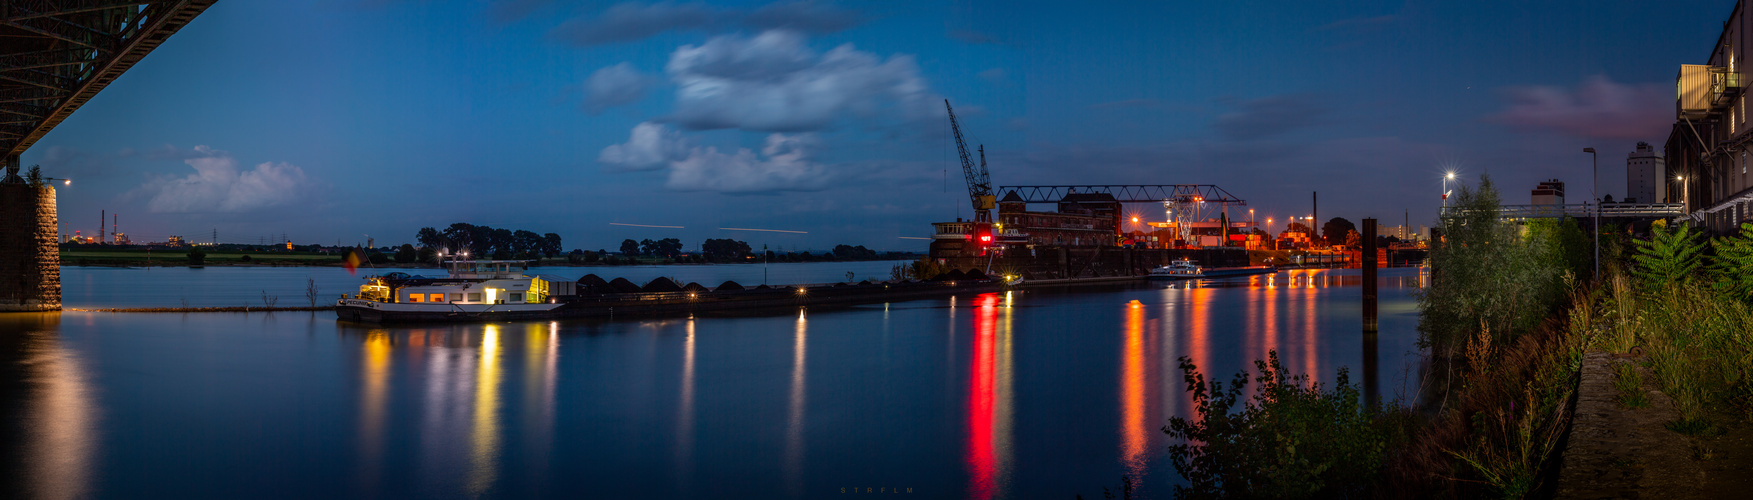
{"type": "Point", "coordinates": [30, 258]}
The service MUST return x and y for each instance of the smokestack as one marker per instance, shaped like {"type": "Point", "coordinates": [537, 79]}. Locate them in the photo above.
{"type": "Point", "coordinates": [1315, 209]}
{"type": "Point", "coordinates": [101, 215]}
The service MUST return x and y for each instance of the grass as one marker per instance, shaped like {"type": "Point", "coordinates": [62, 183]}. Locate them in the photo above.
{"type": "Point", "coordinates": [1629, 383]}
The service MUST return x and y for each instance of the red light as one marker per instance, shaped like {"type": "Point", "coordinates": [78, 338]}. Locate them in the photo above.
{"type": "Point", "coordinates": [985, 238]}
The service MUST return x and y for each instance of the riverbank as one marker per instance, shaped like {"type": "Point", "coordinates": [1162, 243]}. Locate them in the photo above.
{"type": "Point", "coordinates": [178, 257]}
{"type": "Point", "coordinates": [242, 309]}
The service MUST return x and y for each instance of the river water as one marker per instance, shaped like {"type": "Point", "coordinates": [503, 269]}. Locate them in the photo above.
{"type": "Point", "coordinates": [1029, 394]}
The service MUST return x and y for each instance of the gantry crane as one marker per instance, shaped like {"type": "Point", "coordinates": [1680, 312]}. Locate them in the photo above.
{"type": "Point", "coordinates": [979, 183]}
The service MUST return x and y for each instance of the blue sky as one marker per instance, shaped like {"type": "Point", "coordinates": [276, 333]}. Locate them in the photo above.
{"type": "Point", "coordinates": [329, 120]}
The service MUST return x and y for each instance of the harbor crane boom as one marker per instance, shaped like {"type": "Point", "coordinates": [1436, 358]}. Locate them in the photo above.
{"type": "Point", "coordinates": [979, 182]}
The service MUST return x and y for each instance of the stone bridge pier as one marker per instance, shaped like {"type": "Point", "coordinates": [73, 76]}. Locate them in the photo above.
{"type": "Point", "coordinates": [30, 258]}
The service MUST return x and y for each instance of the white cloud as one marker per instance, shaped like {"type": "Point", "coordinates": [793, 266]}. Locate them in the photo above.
{"type": "Point", "coordinates": [651, 146]}
{"type": "Point", "coordinates": [774, 82]}
{"type": "Point", "coordinates": [613, 86]}
{"type": "Point", "coordinates": [218, 186]}
{"type": "Point", "coordinates": [783, 164]}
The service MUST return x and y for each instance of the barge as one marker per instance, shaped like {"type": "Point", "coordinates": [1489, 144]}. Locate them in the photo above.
{"type": "Point", "coordinates": [478, 291]}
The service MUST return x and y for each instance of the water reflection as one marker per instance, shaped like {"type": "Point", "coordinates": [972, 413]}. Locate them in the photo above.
{"type": "Point", "coordinates": [685, 413]}
{"type": "Point", "coordinates": [989, 398]}
{"type": "Point", "coordinates": [462, 377]}
{"type": "Point", "coordinates": [794, 415]}
{"type": "Point", "coordinates": [373, 401]}
{"type": "Point", "coordinates": [1133, 426]}
{"type": "Point", "coordinates": [484, 456]}
{"type": "Point", "coordinates": [56, 409]}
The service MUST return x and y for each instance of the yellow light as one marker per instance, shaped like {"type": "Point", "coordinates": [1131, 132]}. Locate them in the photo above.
{"type": "Point", "coordinates": [490, 293]}
{"type": "Point", "coordinates": [1134, 220]}
{"type": "Point", "coordinates": [1451, 175]}
{"type": "Point", "coordinates": [67, 182]}
{"type": "Point", "coordinates": [802, 290]}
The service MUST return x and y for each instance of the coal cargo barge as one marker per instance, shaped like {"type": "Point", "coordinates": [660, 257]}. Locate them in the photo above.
{"type": "Point", "coordinates": [478, 291]}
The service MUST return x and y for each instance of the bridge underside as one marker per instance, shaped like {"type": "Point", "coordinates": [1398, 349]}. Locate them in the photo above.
{"type": "Point", "coordinates": [54, 56]}
{"type": "Point", "coordinates": [57, 54]}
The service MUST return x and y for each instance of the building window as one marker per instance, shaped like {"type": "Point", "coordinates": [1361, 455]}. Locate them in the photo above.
{"type": "Point", "coordinates": [474, 296]}
{"type": "Point", "coordinates": [438, 297]}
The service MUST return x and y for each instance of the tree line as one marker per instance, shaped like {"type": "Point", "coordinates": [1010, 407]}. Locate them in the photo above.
{"type": "Point", "coordinates": [486, 241]}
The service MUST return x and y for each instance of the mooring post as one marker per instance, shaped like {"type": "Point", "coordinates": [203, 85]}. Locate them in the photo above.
{"type": "Point", "coordinates": [1370, 390]}
{"type": "Point", "coordinates": [1369, 275]}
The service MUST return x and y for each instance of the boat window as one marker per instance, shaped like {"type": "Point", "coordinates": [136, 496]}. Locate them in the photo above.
{"type": "Point", "coordinates": [515, 297]}
{"type": "Point", "coordinates": [438, 297]}
{"type": "Point", "coordinates": [416, 297]}
{"type": "Point", "coordinates": [456, 297]}
{"type": "Point", "coordinates": [474, 296]}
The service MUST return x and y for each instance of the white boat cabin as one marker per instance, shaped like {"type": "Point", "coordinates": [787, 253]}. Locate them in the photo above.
{"type": "Point", "coordinates": [470, 282]}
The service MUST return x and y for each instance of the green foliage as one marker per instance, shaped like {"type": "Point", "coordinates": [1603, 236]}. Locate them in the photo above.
{"type": "Point", "coordinates": [1700, 345]}
{"type": "Point", "coordinates": [1291, 439]}
{"type": "Point", "coordinates": [923, 269]}
{"type": "Point", "coordinates": [725, 250]}
{"type": "Point", "coordinates": [406, 254]}
{"type": "Point", "coordinates": [1668, 257]}
{"type": "Point", "coordinates": [1488, 276]}
{"type": "Point", "coordinates": [1732, 269]}
{"type": "Point", "coordinates": [1572, 250]}
{"type": "Point", "coordinates": [1630, 386]}
{"type": "Point", "coordinates": [197, 256]}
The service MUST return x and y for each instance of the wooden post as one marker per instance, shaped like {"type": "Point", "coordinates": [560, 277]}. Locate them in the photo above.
{"type": "Point", "coordinates": [1369, 275]}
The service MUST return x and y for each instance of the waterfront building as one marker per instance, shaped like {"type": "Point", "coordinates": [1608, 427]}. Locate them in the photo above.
{"type": "Point", "coordinates": [1708, 148]}
{"type": "Point", "coordinates": [1645, 172]}
{"type": "Point", "coordinates": [1082, 219]}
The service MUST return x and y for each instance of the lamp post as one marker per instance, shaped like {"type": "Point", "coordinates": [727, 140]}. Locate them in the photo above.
{"type": "Point", "coordinates": [1684, 196]}
{"type": "Point", "coordinates": [1447, 176]}
{"type": "Point", "coordinates": [1596, 161]}
{"type": "Point", "coordinates": [1269, 233]}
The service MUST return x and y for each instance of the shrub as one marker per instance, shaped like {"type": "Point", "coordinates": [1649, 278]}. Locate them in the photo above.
{"type": "Point", "coordinates": [1732, 269]}
{"type": "Point", "coordinates": [1291, 439]}
{"type": "Point", "coordinates": [1668, 257]}
{"type": "Point", "coordinates": [1489, 276]}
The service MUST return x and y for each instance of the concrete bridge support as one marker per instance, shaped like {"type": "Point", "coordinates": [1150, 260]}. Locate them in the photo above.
{"type": "Point", "coordinates": [30, 258]}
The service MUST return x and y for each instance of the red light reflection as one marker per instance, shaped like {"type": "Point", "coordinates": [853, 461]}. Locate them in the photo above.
{"type": "Point", "coordinates": [989, 397]}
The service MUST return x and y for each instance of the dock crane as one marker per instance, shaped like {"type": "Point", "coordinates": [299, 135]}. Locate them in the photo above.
{"type": "Point", "coordinates": [979, 183]}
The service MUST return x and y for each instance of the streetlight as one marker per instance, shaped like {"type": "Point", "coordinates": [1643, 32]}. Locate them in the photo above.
{"type": "Point", "coordinates": [1596, 160]}
{"type": "Point", "coordinates": [1447, 176]}
{"type": "Point", "coordinates": [1269, 233]}
{"type": "Point", "coordinates": [1684, 196]}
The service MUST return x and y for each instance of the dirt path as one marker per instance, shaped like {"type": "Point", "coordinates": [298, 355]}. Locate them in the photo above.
{"type": "Point", "coordinates": [1620, 452]}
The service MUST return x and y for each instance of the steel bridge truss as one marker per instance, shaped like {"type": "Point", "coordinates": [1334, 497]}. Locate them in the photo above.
{"type": "Point", "coordinates": [57, 54]}
{"type": "Point", "coordinates": [1127, 193]}
{"type": "Point", "coordinates": [1183, 204]}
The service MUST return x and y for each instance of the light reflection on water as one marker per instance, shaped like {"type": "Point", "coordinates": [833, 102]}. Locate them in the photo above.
{"type": "Point", "coordinates": [1042, 392]}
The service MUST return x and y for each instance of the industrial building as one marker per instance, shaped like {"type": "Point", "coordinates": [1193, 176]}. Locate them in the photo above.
{"type": "Point", "coordinates": [1645, 176]}
{"type": "Point", "coordinates": [1547, 193]}
{"type": "Point", "coordinates": [1706, 156]}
